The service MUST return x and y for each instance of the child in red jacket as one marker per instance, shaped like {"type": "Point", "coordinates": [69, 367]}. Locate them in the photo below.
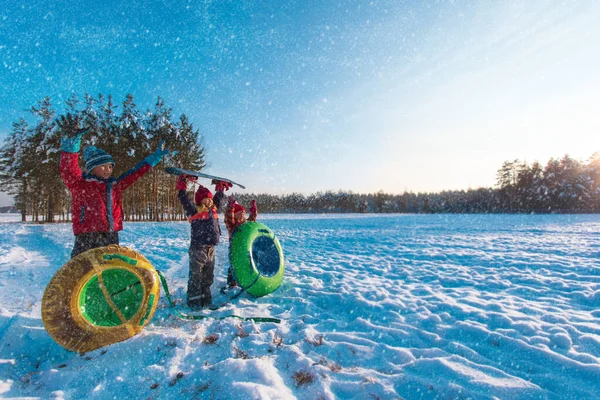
{"type": "Point", "coordinates": [96, 204]}
{"type": "Point", "coordinates": [235, 215]}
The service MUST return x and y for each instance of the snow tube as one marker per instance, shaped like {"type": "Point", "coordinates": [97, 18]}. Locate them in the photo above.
{"type": "Point", "coordinates": [102, 296]}
{"type": "Point", "coordinates": [256, 258]}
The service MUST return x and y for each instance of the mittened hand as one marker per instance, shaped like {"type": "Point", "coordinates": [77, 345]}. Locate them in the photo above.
{"type": "Point", "coordinates": [72, 133]}
{"type": "Point", "coordinates": [158, 154]}
{"type": "Point", "coordinates": [183, 180]}
{"type": "Point", "coordinates": [181, 183]}
{"type": "Point", "coordinates": [253, 208]}
{"type": "Point", "coordinates": [221, 186]}
{"type": "Point", "coordinates": [160, 151]}
{"type": "Point", "coordinates": [71, 145]}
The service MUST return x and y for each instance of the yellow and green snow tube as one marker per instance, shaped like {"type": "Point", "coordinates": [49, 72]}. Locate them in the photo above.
{"type": "Point", "coordinates": [256, 258]}
{"type": "Point", "coordinates": [102, 296]}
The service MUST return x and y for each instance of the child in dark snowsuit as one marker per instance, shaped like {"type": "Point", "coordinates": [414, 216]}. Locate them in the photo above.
{"type": "Point", "coordinates": [205, 234]}
{"type": "Point", "coordinates": [96, 205]}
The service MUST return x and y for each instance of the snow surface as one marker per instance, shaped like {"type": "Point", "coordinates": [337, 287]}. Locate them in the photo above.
{"type": "Point", "coordinates": [372, 307]}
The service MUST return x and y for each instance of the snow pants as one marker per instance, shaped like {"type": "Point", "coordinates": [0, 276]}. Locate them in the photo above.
{"type": "Point", "coordinates": [231, 282]}
{"type": "Point", "coordinates": [202, 268]}
{"type": "Point", "coordinates": [91, 240]}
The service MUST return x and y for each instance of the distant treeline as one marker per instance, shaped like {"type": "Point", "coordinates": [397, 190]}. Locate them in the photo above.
{"type": "Point", "coordinates": [30, 156]}
{"type": "Point", "coordinates": [8, 209]}
{"type": "Point", "coordinates": [562, 186]}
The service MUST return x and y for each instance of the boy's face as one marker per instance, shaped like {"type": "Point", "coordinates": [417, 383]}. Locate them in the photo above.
{"type": "Point", "coordinates": [103, 171]}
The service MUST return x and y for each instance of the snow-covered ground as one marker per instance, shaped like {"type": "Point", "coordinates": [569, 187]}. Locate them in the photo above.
{"type": "Point", "coordinates": [372, 307]}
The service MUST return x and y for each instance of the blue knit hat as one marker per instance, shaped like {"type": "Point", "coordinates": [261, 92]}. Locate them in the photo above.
{"type": "Point", "coordinates": [95, 157]}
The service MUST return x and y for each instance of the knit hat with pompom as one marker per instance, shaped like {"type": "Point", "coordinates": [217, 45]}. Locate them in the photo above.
{"type": "Point", "coordinates": [94, 157]}
{"type": "Point", "coordinates": [201, 194]}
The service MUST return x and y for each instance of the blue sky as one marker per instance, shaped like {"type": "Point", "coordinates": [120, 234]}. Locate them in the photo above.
{"type": "Point", "coordinates": [309, 96]}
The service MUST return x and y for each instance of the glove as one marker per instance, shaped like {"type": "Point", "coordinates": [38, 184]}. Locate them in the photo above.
{"type": "Point", "coordinates": [181, 183]}
{"type": "Point", "coordinates": [253, 208]}
{"type": "Point", "coordinates": [221, 186]}
{"type": "Point", "coordinates": [230, 201]}
{"type": "Point", "coordinates": [183, 180]}
{"type": "Point", "coordinates": [190, 178]}
{"type": "Point", "coordinates": [158, 154]}
{"type": "Point", "coordinates": [72, 133]}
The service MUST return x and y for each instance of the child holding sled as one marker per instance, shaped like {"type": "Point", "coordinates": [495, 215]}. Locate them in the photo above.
{"type": "Point", "coordinates": [205, 234]}
{"type": "Point", "coordinates": [235, 215]}
{"type": "Point", "coordinates": [96, 197]}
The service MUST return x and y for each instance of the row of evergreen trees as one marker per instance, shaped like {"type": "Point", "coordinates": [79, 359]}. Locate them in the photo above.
{"type": "Point", "coordinates": [30, 156]}
{"type": "Point", "coordinates": [562, 186]}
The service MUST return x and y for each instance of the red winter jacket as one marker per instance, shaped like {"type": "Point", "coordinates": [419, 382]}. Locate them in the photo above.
{"type": "Point", "coordinates": [96, 203]}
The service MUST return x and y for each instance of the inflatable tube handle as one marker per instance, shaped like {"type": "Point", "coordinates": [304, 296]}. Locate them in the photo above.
{"type": "Point", "coordinates": [267, 232]}
{"type": "Point", "coordinates": [128, 260]}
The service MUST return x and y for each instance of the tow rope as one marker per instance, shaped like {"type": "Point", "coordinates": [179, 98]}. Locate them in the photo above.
{"type": "Point", "coordinates": [197, 317]}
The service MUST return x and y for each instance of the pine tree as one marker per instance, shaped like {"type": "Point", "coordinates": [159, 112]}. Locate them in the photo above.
{"type": "Point", "coordinates": [13, 177]}
{"type": "Point", "coordinates": [506, 180]}
{"type": "Point", "coordinates": [592, 170]}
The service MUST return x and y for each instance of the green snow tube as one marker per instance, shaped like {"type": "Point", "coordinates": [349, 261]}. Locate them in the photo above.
{"type": "Point", "coordinates": [256, 258]}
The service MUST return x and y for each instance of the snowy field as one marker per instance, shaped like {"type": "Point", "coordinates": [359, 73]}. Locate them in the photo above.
{"type": "Point", "coordinates": [372, 307]}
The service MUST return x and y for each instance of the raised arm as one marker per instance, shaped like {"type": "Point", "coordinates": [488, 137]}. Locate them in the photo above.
{"type": "Point", "coordinates": [220, 188]}
{"type": "Point", "coordinates": [228, 217]}
{"type": "Point", "coordinates": [70, 171]}
{"type": "Point", "coordinates": [133, 174]}
{"type": "Point", "coordinates": [70, 144]}
{"type": "Point", "coordinates": [142, 168]}
{"type": "Point", "coordinates": [188, 206]}
{"type": "Point", "coordinates": [253, 211]}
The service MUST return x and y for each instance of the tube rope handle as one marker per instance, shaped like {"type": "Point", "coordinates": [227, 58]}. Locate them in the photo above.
{"type": "Point", "coordinates": [197, 317]}
{"type": "Point", "coordinates": [128, 260]}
